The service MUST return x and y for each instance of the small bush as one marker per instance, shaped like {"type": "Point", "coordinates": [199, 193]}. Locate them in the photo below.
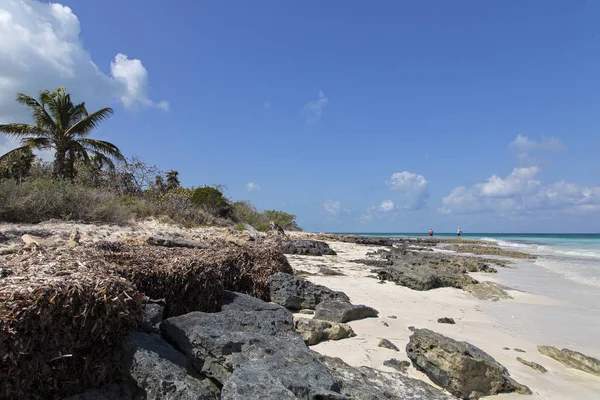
{"type": "Point", "coordinates": [212, 200]}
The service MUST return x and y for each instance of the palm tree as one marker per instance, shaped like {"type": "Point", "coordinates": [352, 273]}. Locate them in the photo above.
{"type": "Point", "coordinates": [64, 127]}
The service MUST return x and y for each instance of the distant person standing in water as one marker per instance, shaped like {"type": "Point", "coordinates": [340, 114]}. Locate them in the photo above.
{"type": "Point", "coordinates": [430, 232]}
{"type": "Point", "coordinates": [458, 232]}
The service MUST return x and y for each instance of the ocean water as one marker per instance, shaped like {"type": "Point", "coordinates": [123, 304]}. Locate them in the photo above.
{"type": "Point", "coordinates": [574, 256]}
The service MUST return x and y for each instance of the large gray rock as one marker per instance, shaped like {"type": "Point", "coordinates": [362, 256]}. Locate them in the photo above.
{"type": "Point", "coordinates": [296, 293]}
{"type": "Point", "coordinates": [152, 316]}
{"type": "Point", "coordinates": [342, 311]}
{"type": "Point", "coordinates": [461, 368]}
{"type": "Point", "coordinates": [366, 383]}
{"type": "Point", "coordinates": [419, 270]}
{"type": "Point", "coordinates": [315, 331]}
{"type": "Point", "coordinates": [234, 301]}
{"type": "Point", "coordinates": [161, 371]}
{"type": "Point", "coordinates": [249, 352]}
{"type": "Point", "coordinates": [488, 291]}
{"type": "Point", "coordinates": [175, 242]}
{"type": "Point", "coordinates": [572, 359]}
{"type": "Point", "coordinates": [306, 247]}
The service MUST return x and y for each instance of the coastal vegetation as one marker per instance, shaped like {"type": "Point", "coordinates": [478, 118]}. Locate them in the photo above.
{"type": "Point", "coordinates": [90, 180]}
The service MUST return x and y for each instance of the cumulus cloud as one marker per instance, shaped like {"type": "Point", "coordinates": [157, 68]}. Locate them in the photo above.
{"type": "Point", "coordinates": [520, 192]}
{"type": "Point", "coordinates": [386, 205]}
{"type": "Point", "coordinates": [412, 187]}
{"type": "Point", "coordinates": [332, 207]}
{"type": "Point", "coordinates": [250, 186]}
{"type": "Point", "coordinates": [41, 48]}
{"type": "Point", "coordinates": [314, 109]}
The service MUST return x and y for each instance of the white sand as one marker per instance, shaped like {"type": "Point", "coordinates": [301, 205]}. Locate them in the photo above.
{"type": "Point", "coordinates": [488, 325]}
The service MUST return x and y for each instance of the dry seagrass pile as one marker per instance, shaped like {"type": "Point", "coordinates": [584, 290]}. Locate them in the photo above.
{"type": "Point", "coordinates": [64, 311]}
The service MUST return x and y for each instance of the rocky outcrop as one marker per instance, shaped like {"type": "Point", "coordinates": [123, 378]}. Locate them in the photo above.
{"type": "Point", "coordinates": [330, 272]}
{"type": "Point", "coordinates": [162, 372]}
{"type": "Point", "coordinates": [315, 331]}
{"type": "Point", "coordinates": [305, 247]}
{"type": "Point", "coordinates": [533, 365]}
{"type": "Point", "coordinates": [341, 311]}
{"type": "Point", "coordinates": [386, 344]}
{"type": "Point", "coordinates": [488, 291]}
{"type": "Point", "coordinates": [461, 368]}
{"type": "Point", "coordinates": [398, 365]}
{"type": "Point", "coordinates": [572, 359]}
{"type": "Point", "coordinates": [253, 354]}
{"type": "Point", "coordinates": [175, 242]}
{"type": "Point", "coordinates": [366, 383]}
{"type": "Point", "coordinates": [490, 250]}
{"type": "Point", "coordinates": [446, 320]}
{"type": "Point", "coordinates": [296, 293]}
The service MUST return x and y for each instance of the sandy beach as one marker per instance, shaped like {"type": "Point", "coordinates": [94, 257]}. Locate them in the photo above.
{"type": "Point", "coordinates": [524, 322]}
{"type": "Point", "coordinates": [545, 308]}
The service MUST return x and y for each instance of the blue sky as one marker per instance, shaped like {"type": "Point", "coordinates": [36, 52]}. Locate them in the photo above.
{"type": "Point", "coordinates": [356, 116]}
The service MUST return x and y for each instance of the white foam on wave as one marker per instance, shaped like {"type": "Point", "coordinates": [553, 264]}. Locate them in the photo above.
{"type": "Point", "coordinates": [574, 262]}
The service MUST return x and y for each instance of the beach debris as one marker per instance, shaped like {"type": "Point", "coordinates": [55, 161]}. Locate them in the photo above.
{"type": "Point", "coordinates": [446, 320]}
{"type": "Point", "coordinates": [572, 359]}
{"type": "Point", "coordinates": [74, 239]}
{"type": "Point", "coordinates": [533, 365]}
{"type": "Point", "coordinates": [506, 348]}
{"type": "Point", "coordinates": [386, 344]}
{"type": "Point", "coordinates": [463, 369]}
{"type": "Point", "coordinates": [401, 366]}
{"type": "Point", "coordinates": [385, 324]}
{"type": "Point", "coordinates": [276, 228]}
{"type": "Point", "coordinates": [488, 291]}
{"type": "Point", "coordinates": [519, 350]}
{"type": "Point", "coordinates": [392, 316]}
{"type": "Point", "coordinates": [342, 311]}
{"type": "Point", "coordinates": [161, 372]}
{"type": "Point", "coordinates": [315, 331]}
{"type": "Point", "coordinates": [296, 293]}
{"type": "Point", "coordinates": [371, 383]}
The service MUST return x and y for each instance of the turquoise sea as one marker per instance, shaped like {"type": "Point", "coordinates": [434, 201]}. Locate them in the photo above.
{"type": "Point", "coordinates": [575, 256]}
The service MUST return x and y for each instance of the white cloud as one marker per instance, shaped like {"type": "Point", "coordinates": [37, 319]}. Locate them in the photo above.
{"type": "Point", "coordinates": [524, 144]}
{"type": "Point", "coordinates": [386, 205]}
{"type": "Point", "coordinates": [267, 105]}
{"type": "Point", "coordinates": [250, 186]}
{"type": "Point", "coordinates": [41, 48]}
{"type": "Point", "coordinates": [332, 207]}
{"type": "Point", "coordinates": [521, 192]}
{"type": "Point", "coordinates": [413, 188]}
{"type": "Point", "coordinates": [314, 109]}
{"type": "Point", "coordinates": [526, 147]}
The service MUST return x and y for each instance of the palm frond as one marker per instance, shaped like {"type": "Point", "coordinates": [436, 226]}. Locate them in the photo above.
{"type": "Point", "coordinates": [18, 151]}
{"type": "Point", "coordinates": [84, 126]}
{"type": "Point", "coordinates": [38, 112]}
{"type": "Point", "coordinates": [40, 143]}
{"type": "Point", "coordinates": [102, 147]}
{"type": "Point", "coordinates": [78, 112]}
{"type": "Point", "coordinates": [19, 130]}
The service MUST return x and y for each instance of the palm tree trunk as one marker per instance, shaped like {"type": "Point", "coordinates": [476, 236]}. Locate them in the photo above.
{"type": "Point", "coordinates": [58, 167]}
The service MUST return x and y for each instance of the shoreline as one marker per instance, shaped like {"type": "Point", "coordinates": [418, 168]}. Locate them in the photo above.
{"type": "Point", "coordinates": [529, 319]}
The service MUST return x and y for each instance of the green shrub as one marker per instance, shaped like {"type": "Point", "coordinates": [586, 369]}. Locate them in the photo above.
{"type": "Point", "coordinates": [285, 220]}
{"type": "Point", "coordinates": [213, 201]}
